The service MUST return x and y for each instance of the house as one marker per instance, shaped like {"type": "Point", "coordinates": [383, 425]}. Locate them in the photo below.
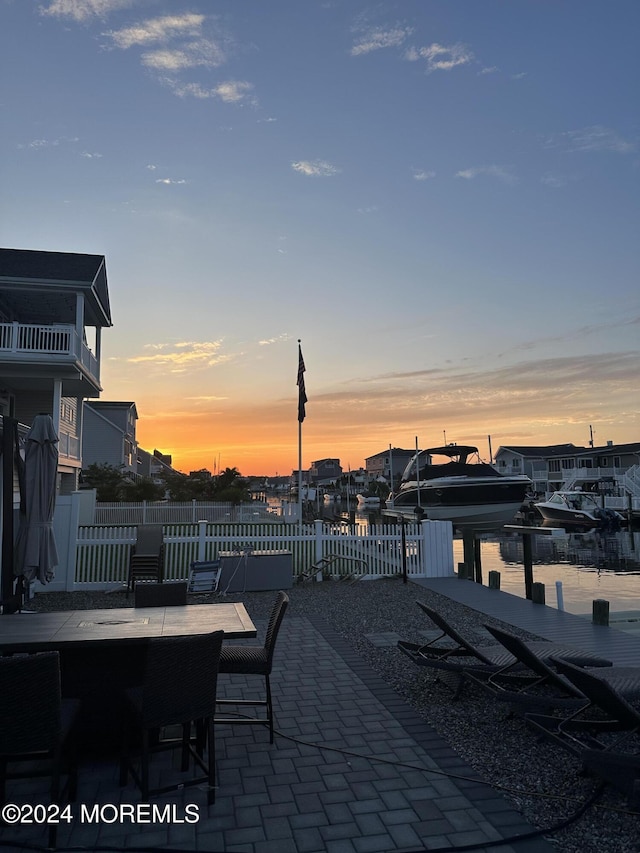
{"type": "Point", "coordinates": [324, 470]}
{"type": "Point", "coordinates": [154, 465]}
{"type": "Point", "coordinates": [389, 464]}
{"type": "Point", "coordinates": [53, 307]}
{"type": "Point", "coordinates": [109, 435]}
{"type": "Point", "coordinates": [611, 468]}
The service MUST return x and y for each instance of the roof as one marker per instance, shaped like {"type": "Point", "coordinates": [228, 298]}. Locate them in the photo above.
{"type": "Point", "coordinates": [393, 450]}
{"type": "Point", "coordinates": [25, 270]}
{"type": "Point", "coordinates": [110, 404]}
{"type": "Point", "coordinates": [548, 450]}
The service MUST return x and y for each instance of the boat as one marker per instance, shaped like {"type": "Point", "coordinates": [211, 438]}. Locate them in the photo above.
{"type": "Point", "coordinates": [472, 495]}
{"type": "Point", "coordinates": [578, 509]}
{"type": "Point", "coordinates": [368, 500]}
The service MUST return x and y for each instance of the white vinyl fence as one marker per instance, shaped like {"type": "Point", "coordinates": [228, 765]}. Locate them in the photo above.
{"type": "Point", "coordinates": [102, 552]}
{"type": "Point", "coordinates": [179, 512]}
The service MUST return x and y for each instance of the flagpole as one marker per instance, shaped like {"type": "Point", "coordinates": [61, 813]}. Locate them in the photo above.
{"type": "Point", "coordinates": [302, 399]}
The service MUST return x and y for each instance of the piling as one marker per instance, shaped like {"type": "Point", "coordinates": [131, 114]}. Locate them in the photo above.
{"type": "Point", "coordinates": [494, 580]}
{"type": "Point", "coordinates": [559, 595]}
{"type": "Point", "coordinates": [600, 610]}
{"type": "Point", "coordinates": [527, 554]}
{"type": "Point", "coordinates": [537, 593]}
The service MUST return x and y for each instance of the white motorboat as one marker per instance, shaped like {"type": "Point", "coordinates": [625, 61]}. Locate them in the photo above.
{"type": "Point", "coordinates": [471, 495]}
{"type": "Point", "coordinates": [576, 508]}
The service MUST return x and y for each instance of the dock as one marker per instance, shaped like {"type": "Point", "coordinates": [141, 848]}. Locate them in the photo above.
{"type": "Point", "coordinates": [557, 626]}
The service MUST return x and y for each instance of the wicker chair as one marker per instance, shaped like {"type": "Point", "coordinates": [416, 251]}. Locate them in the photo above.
{"type": "Point", "coordinates": [146, 560]}
{"type": "Point", "coordinates": [35, 725]}
{"type": "Point", "coordinates": [160, 594]}
{"type": "Point", "coordinates": [254, 660]}
{"type": "Point", "coordinates": [179, 688]}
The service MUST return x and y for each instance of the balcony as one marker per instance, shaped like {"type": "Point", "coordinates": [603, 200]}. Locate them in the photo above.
{"type": "Point", "coordinates": [25, 348]}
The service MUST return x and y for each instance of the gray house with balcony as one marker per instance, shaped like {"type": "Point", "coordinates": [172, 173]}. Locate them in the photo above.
{"type": "Point", "coordinates": [610, 469]}
{"type": "Point", "coordinates": [109, 435]}
{"type": "Point", "coordinates": [53, 307]}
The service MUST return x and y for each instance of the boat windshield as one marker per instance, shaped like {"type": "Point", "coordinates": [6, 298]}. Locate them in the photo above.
{"type": "Point", "coordinates": [575, 500]}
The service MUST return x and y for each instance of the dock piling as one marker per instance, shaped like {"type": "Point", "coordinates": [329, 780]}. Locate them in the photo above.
{"type": "Point", "coordinates": [600, 610]}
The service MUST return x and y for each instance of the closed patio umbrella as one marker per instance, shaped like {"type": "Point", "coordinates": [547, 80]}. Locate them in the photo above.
{"type": "Point", "coordinates": [36, 552]}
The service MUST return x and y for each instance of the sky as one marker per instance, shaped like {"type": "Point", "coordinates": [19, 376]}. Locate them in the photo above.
{"type": "Point", "coordinates": [438, 198]}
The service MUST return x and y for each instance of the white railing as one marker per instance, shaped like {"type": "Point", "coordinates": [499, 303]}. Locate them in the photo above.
{"type": "Point", "coordinates": [68, 445]}
{"type": "Point", "coordinates": [180, 512]}
{"type": "Point", "coordinates": [31, 339]}
{"type": "Point", "coordinates": [102, 553]}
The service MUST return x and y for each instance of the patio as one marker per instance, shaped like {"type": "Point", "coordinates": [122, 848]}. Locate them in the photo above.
{"type": "Point", "coordinates": [296, 797]}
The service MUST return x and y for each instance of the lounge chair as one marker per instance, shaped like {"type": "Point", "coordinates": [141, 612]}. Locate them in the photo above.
{"type": "Point", "coordinates": [465, 657]}
{"type": "Point", "coordinates": [591, 735]}
{"type": "Point", "coordinates": [547, 688]}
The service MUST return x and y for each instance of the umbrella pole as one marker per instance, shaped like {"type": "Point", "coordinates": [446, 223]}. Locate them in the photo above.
{"type": "Point", "coordinates": [9, 426]}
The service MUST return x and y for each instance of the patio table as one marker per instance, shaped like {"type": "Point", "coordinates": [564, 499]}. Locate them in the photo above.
{"type": "Point", "coordinates": [102, 652]}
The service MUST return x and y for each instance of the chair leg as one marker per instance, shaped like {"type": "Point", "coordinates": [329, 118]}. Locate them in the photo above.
{"type": "Point", "coordinates": [269, 709]}
{"type": "Point", "coordinates": [210, 728]}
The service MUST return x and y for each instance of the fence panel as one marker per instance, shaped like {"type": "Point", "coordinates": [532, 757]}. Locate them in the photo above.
{"type": "Point", "coordinates": [375, 551]}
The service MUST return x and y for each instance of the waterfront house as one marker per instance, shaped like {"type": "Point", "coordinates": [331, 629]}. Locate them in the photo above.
{"type": "Point", "coordinates": [608, 469]}
{"type": "Point", "coordinates": [53, 307]}
{"type": "Point", "coordinates": [388, 464]}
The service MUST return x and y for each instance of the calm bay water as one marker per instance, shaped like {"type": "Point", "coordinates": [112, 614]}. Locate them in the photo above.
{"type": "Point", "coordinates": [589, 566]}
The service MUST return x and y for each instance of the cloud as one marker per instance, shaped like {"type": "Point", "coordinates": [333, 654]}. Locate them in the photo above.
{"type": "Point", "coordinates": [37, 144]}
{"type": "Point", "coordinates": [597, 138]}
{"type": "Point", "coordinates": [89, 156]}
{"type": "Point", "coordinates": [502, 173]}
{"type": "Point", "coordinates": [314, 168]}
{"type": "Point", "coordinates": [81, 10]}
{"type": "Point", "coordinates": [158, 30]}
{"type": "Point", "coordinates": [192, 355]}
{"type": "Point", "coordinates": [439, 57]}
{"type": "Point", "coordinates": [230, 92]}
{"type": "Point", "coordinates": [202, 53]}
{"type": "Point", "coordinates": [278, 339]}
{"type": "Point", "coordinates": [170, 181]}
{"type": "Point", "coordinates": [378, 38]}
{"type": "Point", "coordinates": [422, 175]}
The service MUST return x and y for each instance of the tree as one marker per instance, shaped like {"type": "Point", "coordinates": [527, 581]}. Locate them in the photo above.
{"type": "Point", "coordinates": [143, 489]}
{"type": "Point", "coordinates": [106, 479]}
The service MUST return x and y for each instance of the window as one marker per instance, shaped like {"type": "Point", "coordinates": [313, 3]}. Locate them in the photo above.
{"type": "Point", "coordinates": [585, 463]}
{"type": "Point", "coordinates": [554, 465]}
{"type": "Point", "coordinates": [566, 463]}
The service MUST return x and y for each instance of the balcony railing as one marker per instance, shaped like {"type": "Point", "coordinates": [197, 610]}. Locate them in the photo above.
{"type": "Point", "coordinates": [25, 339]}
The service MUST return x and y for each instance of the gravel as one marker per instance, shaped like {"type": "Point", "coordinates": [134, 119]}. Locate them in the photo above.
{"type": "Point", "coordinates": [542, 782]}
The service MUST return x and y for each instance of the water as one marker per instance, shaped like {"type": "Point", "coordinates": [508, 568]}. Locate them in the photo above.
{"type": "Point", "coordinates": [589, 565]}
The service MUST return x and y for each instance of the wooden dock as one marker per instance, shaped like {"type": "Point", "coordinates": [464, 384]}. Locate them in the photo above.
{"type": "Point", "coordinates": [558, 626]}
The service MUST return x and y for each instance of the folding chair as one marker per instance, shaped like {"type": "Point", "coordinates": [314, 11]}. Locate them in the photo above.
{"type": "Point", "coordinates": [204, 576]}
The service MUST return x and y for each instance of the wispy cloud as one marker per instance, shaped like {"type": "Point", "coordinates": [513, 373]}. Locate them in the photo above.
{"type": "Point", "coordinates": [441, 57]}
{"type": "Point", "coordinates": [37, 144]}
{"type": "Point", "coordinates": [178, 357]}
{"type": "Point", "coordinates": [591, 139]}
{"type": "Point", "coordinates": [170, 181]}
{"type": "Point", "coordinates": [88, 155]}
{"type": "Point", "coordinates": [315, 168]}
{"type": "Point", "coordinates": [231, 91]}
{"type": "Point", "coordinates": [158, 30]}
{"type": "Point", "coordinates": [82, 10]}
{"type": "Point", "coordinates": [201, 53]}
{"type": "Point", "coordinates": [422, 175]}
{"type": "Point", "coordinates": [277, 340]}
{"type": "Point", "coordinates": [378, 38]}
{"type": "Point", "coordinates": [502, 173]}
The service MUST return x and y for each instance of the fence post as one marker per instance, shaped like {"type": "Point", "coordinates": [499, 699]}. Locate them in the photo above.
{"type": "Point", "coordinates": [72, 542]}
{"type": "Point", "coordinates": [319, 543]}
{"type": "Point", "coordinates": [202, 535]}
{"type": "Point", "coordinates": [194, 510]}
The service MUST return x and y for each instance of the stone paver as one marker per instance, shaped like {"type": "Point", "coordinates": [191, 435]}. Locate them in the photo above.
{"type": "Point", "coordinates": [295, 796]}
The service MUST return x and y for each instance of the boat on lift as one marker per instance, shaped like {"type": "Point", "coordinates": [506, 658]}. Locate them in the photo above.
{"type": "Point", "coordinates": [470, 494]}
{"type": "Point", "coordinates": [573, 508]}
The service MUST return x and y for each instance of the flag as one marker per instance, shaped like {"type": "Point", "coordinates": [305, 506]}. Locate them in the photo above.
{"type": "Point", "coordinates": [302, 396]}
